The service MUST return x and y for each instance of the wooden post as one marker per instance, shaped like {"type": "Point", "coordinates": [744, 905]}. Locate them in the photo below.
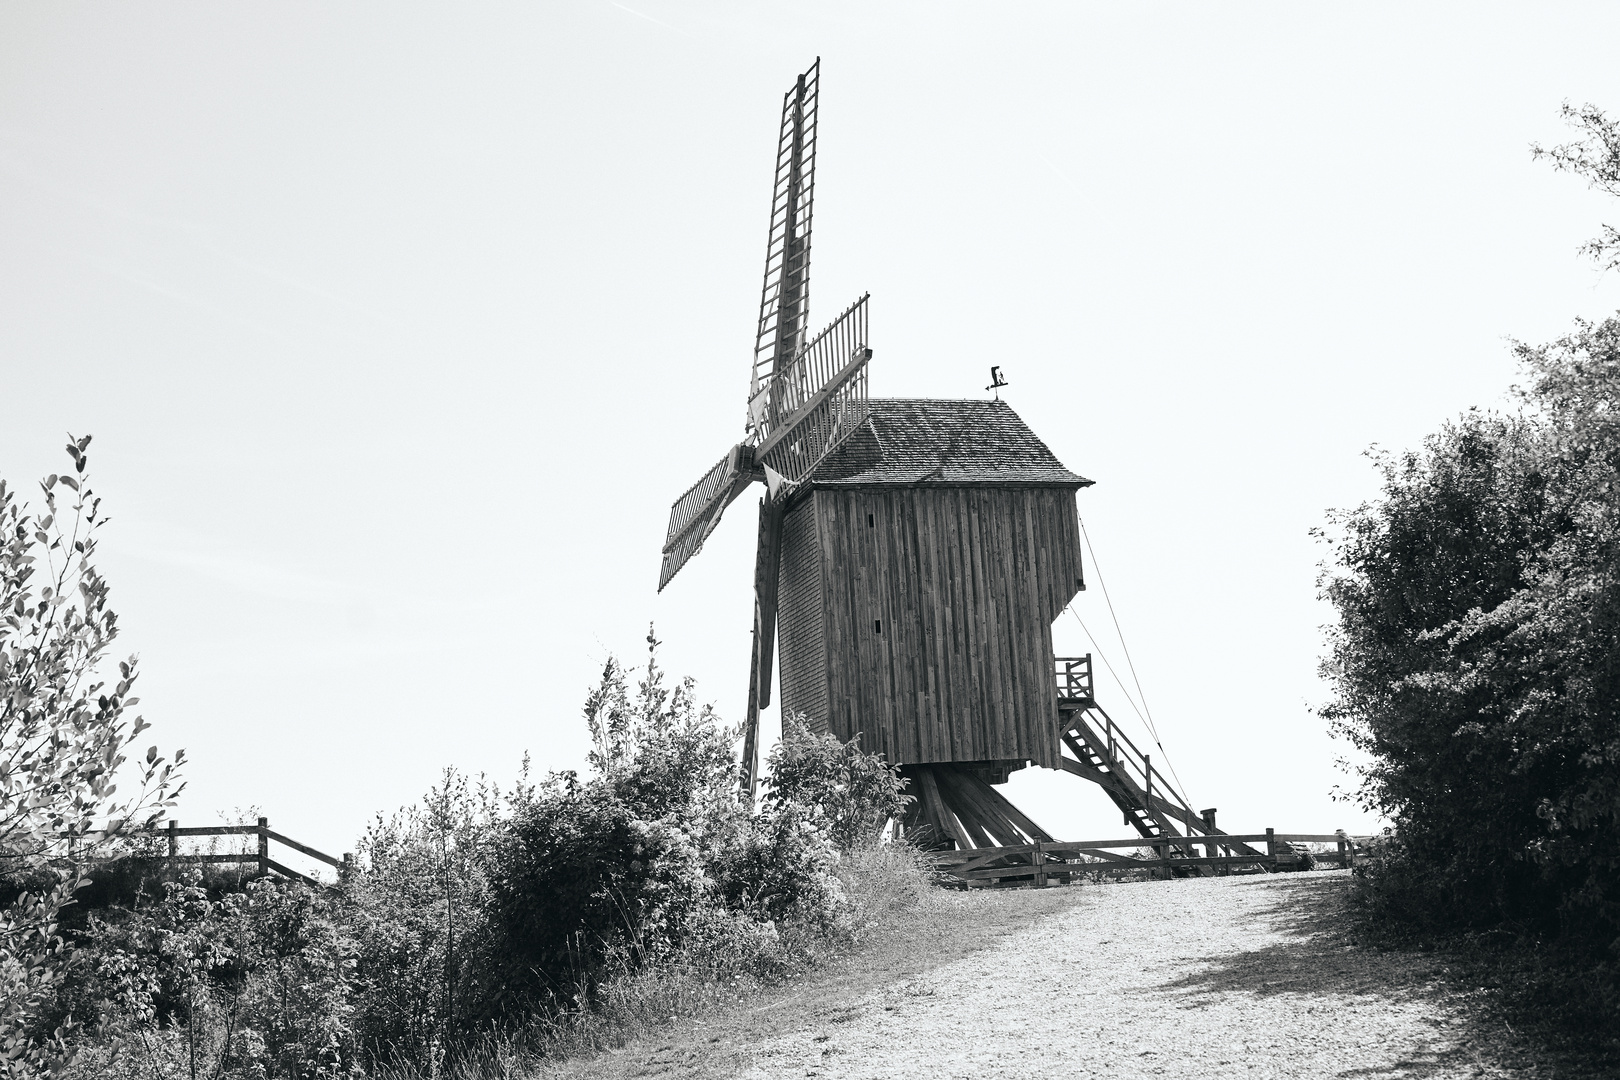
{"type": "Point", "coordinates": [1212, 851]}
{"type": "Point", "coordinates": [174, 838]}
{"type": "Point", "coordinates": [264, 847]}
{"type": "Point", "coordinates": [1271, 849]}
{"type": "Point", "coordinates": [1040, 866]}
{"type": "Point", "coordinates": [1347, 850]}
{"type": "Point", "coordinates": [1164, 860]}
{"type": "Point", "coordinates": [348, 863]}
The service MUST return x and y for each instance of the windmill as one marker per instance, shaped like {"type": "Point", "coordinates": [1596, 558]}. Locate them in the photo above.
{"type": "Point", "coordinates": [804, 396]}
{"type": "Point", "coordinates": [915, 554]}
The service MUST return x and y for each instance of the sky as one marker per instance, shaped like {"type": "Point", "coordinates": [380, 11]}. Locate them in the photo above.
{"type": "Point", "coordinates": [399, 327]}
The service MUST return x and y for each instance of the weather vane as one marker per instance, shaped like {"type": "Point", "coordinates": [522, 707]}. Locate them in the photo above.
{"type": "Point", "coordinates": [996, 381]}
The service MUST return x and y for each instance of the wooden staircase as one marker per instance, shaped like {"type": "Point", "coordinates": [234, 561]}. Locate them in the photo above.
{"type": "Point", "coordinates": [1107, 757]}
{"type": "Point", "coordinates": [957, 807]}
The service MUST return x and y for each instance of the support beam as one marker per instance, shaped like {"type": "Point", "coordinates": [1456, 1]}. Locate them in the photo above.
{"type": "Point", "coordinates": [935, 807]}
{"type": "Point", "coordinates": [767, 560]}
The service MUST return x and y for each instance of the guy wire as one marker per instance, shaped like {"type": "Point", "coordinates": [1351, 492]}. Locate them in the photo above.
{"type": "Point", "coordinates": [1104, 658]}
{"type": "Point", "coordinates": [1148, 719]}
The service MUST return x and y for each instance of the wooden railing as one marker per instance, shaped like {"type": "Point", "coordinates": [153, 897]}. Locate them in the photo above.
{"type": "Point", "coordinates": [1074, 678]}
{"type": "Point", "coordinates": [1171, 855]}
{"type": "Point", "coordinates": [260, 858]}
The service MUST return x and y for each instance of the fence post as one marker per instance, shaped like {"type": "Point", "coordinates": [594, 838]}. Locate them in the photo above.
{"type": "Point", "coordinates": [1163, 851]}
{"type": "Point", "coordinates": [1271, 849]}
{"type": "Point", "coordinates": [174, 838]}
{"type": "Point", "coordinates": [1040, 866]}
{"type": "Point", "coordinates": [264, 847]}
{"type": "Point", "coordinates": [1212, 851]}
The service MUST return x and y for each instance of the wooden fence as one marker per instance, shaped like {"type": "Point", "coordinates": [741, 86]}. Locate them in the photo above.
{"type": "Point", "coordinates": [1172, 856]}
{"type": "Point", "coordinates": [260, 858]}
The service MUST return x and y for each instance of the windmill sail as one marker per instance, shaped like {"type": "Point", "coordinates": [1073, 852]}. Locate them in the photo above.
{"type": "Point", "coordinates": [697, 512]}
{"type": "Point", "coordinates": [784, 305]}
{"type": "Point", "coordinates": [823, 399]}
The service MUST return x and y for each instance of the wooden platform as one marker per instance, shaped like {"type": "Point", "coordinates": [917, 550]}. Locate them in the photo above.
{"type": "Point", "coordinates": [1039, 862]}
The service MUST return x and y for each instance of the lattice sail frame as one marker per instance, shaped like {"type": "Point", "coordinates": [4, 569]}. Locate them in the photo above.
{"type": "Point", "coordinates": [823, 398]}
{"type": "Point", "coordinates": [804, 398]}
{"type": "Point", "coordinates": [697, 512]}
{"type": "Point", "coordinates": [784, 306]}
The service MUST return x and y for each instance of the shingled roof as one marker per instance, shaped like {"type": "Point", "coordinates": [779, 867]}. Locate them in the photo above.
{"type": "Point", "coordinates": [912, 441]}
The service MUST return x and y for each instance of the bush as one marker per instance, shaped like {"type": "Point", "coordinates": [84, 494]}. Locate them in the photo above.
{"type": "Point", "coordinates": [419, 911]}
{"type": "Point", "coordinates": [482, 927]}
{"type": "Point", "coordinates": [855, 793]}
{"type": "Point", "coordinates": [1476, 659]}
{"type": "Point", "coordinates": [579, 877]}
{"type": "Point", "coordinates": [629, 866]}
{"type": "Point", "coordinates": [256, 983]}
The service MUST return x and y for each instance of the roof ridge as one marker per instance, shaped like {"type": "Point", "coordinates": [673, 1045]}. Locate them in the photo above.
{"type": "Point", "coordinates": [948, 441]}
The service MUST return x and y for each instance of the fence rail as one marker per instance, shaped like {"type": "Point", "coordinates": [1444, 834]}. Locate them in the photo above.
{"type": "Point", "coordinates": [1171, 855]}
{"type": "Point", "coordinates": [173, 832]}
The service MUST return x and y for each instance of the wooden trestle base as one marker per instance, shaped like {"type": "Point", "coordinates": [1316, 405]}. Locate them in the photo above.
{"type": "Point", "coordinates": [953, 806]}
{"type": "Point", "coordinates": [1041, 862]}
{"type": "Point", "coordinates": [980, 837]}
{"type": "Point", "coordinates": [976, 831]}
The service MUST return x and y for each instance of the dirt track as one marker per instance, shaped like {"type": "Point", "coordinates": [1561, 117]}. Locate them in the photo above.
{"type": "Point", "coordinates": [1216, 977]}
{"type": "Point", "coordinates": [1222, 976]}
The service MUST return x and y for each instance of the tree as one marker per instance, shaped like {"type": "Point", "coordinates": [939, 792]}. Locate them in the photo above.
{"type": "Point", "coordinates": [1476, 658]}
{"type": "Point", "coordinates": [64, 738]}
{"type": "Point", "coordinates": [1596, 158]}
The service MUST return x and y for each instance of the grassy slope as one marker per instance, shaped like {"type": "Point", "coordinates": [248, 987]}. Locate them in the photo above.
{"type": "Point", "coordinates": [947, 926]}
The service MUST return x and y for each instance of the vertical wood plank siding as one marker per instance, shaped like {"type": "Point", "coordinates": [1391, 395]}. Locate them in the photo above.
{"type": "Point", "coordinates": [800, 616]}
{"type": "Point", "coordinates": [928, 632]}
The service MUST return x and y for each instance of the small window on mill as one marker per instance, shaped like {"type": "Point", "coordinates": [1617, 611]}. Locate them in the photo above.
{"type": "Point", "coordinates": [877, 626]}
{"type": "Point", "coordinates": [870, 524]}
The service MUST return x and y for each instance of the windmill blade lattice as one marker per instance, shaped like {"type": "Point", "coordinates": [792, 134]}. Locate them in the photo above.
{"type": "Point", "coordinates": [784, 305]}
{"type": "Point", "coordinates": [823, 395]}
{"type": "Point", "coordinates": [697, 512]}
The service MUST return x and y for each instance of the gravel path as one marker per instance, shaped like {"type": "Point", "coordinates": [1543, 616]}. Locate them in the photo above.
{"type": "Point", "coordinates": [1238, 976]}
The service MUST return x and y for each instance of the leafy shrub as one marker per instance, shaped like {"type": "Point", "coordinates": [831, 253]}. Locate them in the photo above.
{"type": "Point", "coordinates": [64, 739]}
{"type": "Point", "coordinates": [580, 876]}
{"type": "Point", "coordinates": [784, 868]}
{"type": "Point", "coordinates": [256, 983]}
{"type": "Point", "coordinates": [633, 863]}
{"type": "Point", "coordinates": [1476, 658]}
{"type": "Point", "coordinates": [482, 927]}
{"type": "Point", "coordinates": [856, 793]}
{"type": "Point", "coordinates": [418, 911]}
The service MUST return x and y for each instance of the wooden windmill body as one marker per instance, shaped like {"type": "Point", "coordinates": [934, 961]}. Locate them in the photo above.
{"type": "Point", "coordinates": [922, 566]}
{"type": "Point", "coordinates": [914, 554]}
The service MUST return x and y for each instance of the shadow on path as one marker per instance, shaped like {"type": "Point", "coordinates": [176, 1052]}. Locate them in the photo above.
{"type": "Point", "coordinates": [1324, 956]}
